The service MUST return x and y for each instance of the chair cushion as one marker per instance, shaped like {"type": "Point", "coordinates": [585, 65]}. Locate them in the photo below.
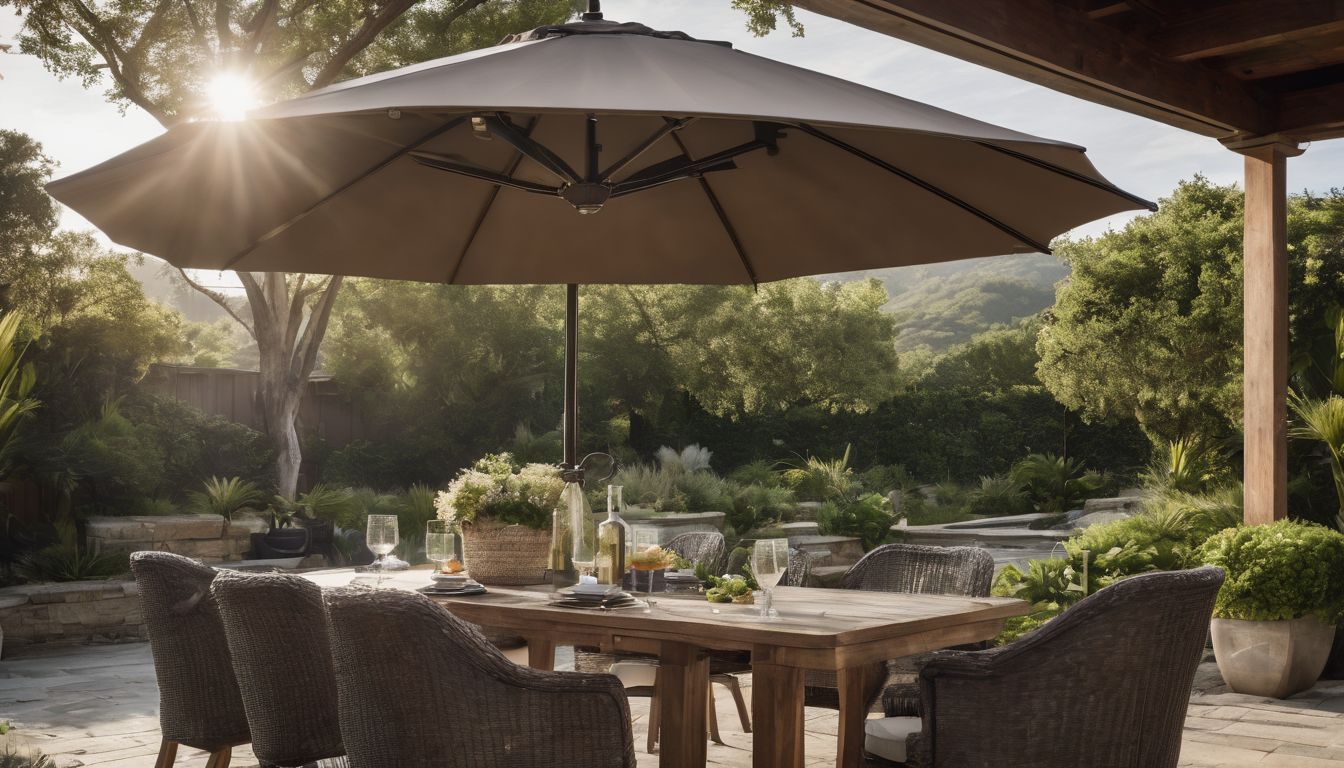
{"type": "Point", "coordinates": [886, 737]}
{"type": "Point", "coordinates": [635, 674]}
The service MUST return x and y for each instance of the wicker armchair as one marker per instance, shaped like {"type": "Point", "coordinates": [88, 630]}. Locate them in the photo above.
{"type": "Point", "coordinates": [967, 571]}
{"type": "Point", "coordinates": [1106, 684]}
{"type": "Point", "coordinates": [799, 572]}
{"type": "Point", "coordinates": [199, 702]}
{"type": "Point", "coordinates": [276, 629]}
{"type": "Point", "coordinates": [418, 688]}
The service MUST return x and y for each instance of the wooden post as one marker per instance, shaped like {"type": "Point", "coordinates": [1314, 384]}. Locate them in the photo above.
{"type": "Point", "coordinates": [1265, 329]}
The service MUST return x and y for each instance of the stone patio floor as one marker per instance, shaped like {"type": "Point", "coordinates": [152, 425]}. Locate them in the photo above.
{"type": "Point", "coordinates": [97, 706]}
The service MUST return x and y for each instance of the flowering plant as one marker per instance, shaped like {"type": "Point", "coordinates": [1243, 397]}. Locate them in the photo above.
{"type": "Point", "coordinates": [497, 488]}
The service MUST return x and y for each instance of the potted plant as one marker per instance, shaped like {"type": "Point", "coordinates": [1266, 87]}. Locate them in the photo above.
{"type": "Point", "coordinates": [1274, 620]}
{"type": "Point", "coordinates": [504, 511]}
{"type": "Point", "coordinates": [284, 539]}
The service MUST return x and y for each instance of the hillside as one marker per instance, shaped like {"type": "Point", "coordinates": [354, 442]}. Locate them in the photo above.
{"type": "Point", "coordinates": [939, 305]}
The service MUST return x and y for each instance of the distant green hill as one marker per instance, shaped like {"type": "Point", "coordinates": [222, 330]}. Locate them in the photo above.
{"type": "Point", "coordinates": [939, 305]}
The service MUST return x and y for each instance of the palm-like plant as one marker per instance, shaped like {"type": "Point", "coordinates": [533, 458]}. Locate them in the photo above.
{"type": "Point", "coordinates": [224, 496]}
{"type": "Point", "coordinates": [1056, 484]}
{"type": "Point", "coordinates": [1182, 465]}
{"type": "Point", "coordinates": [17, 380]}
{"type": "Point", "coordinates": [1322, 419]}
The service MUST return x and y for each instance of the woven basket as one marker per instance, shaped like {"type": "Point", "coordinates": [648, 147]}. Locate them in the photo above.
{"type": "Point", "coordinates": [507, 555]}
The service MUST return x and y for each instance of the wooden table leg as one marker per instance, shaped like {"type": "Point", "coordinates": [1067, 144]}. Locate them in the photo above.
{"type": "Point", "coordinates": [683, 677]}
{"type": "Point", "coordinates": [858, 686]}
{"type": "Point", "coordinates": [777, 714]}
{"type": "Point", "coordinates": [541, 653]}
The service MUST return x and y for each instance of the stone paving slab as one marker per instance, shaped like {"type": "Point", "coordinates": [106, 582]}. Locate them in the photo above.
{"type": "Point", "coordinates": [97, 705]}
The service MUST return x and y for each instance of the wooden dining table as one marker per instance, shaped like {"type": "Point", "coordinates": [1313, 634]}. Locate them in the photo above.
{"type": "Point", "coordinates": [848, 631]}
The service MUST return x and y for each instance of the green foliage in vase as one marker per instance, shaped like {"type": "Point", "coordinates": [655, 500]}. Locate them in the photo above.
{"type": "Point", "coordinates": [1283, 570]}
{"type": "Point", "coordinates": [496, 488]}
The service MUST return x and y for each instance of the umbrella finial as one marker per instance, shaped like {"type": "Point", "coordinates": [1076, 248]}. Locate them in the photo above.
{"type": "Point", "coordinates": [594, 12]}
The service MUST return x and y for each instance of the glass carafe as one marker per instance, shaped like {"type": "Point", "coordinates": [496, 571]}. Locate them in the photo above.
{"type": "Point", "coordinates": [573, 537]}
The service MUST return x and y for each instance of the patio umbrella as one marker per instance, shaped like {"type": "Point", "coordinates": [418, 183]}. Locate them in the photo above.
{"type": "Point", "coordinates": [591, 152]}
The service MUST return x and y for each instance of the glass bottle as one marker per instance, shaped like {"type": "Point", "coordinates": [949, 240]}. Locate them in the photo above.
{"type": "Point", "coordinates": [613, 541]}
{"type": "Point", "coordinates": [573, 536]}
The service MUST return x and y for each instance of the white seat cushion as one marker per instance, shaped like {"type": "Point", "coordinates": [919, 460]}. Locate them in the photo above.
{"type": "Point", "coordinates": [516, 655]}
{"type": "Point", "coordinates": [635, 674]}
{"type": "Point", "coordinates": [885, 737]}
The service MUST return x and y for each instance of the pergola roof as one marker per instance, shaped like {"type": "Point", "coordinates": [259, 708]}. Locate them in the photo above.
{"type": "Point", "coordinates": [1231, 69]}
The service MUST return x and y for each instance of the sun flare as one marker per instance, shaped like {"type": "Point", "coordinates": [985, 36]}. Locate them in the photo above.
{"type": "Point", "coordinates": [231, 95]}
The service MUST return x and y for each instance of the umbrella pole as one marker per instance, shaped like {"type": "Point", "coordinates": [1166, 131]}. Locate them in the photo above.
{"type": "Point", "coordinates": [571, 376]}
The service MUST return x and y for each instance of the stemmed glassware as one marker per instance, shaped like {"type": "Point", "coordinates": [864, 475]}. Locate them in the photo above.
{"type": "Point", "coordinates": [381, 538]}
{"type": "Point", "coordinates": [769, 562]}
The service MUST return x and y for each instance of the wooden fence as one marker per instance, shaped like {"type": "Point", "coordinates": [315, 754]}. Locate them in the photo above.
{"type": "Point", "coordinates": [232, 393]}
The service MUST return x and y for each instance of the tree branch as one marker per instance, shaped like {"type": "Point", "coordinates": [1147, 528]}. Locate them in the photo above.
{"type": "Point", "coordinates": [362, 38]}
{"type": "Point", "coordinates": [316, 328]}
{"type": "Point", "coordinates": [198, 30]}
{"type": "Point", "coordinates": [219, 299]}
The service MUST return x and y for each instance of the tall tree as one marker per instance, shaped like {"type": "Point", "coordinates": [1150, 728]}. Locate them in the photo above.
{"type": "Point", "coordinates": [163, 56]}
{"type": "Point", "coordinates": [1149, 322]}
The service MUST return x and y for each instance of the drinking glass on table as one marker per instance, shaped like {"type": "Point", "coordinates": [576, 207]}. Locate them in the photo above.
{"type": "Point", "coordinates": [381, 538]}
{"type": "Point", "coordinates": [443, 546]}
{"type": "Point", "coordinates": [769, 562]}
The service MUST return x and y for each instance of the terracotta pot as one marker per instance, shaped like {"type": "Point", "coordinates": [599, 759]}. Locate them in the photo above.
{"type": "Point", "coordinates": [1271, 658]}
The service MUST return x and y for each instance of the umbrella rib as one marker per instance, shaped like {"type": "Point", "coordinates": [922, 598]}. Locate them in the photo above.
{"type": "Point", "coordinates": [1076, 176]}
{"type": "Point", "coordinates": [539, 153]}
{"type": "Point", "coordinates": [489, 204]}
{"type": "Point", "coordinates": [301, 215]}
{"type": "Point", "coordinates": [926, 186]}
{"type": "Point", "coordinates": [669, 125]}
{"type": "Point", "coordinates": [445, 163]}
{"type": "Point", "coordinates": [722, 214]}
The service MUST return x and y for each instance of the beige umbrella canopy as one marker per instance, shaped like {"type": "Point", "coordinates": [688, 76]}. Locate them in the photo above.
{"type": "Point", "coordinates": [591, 152]}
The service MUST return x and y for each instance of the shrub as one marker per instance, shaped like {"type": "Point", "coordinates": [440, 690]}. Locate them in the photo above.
{"type": "Point", "coordinates": [885, 478]}
{"type": "Point", "coordinates": [529, 448]}
{"type": "Point", "coordinates": [670, 488]}
{"type": "Point", "coordinates": [756, 505]}
{"type": "Point", "coordinates": [10, 758]}
{"type": "Point", "coordinates": [1183, 465]}
{"type": "Point", "coordinates": [225, 496]}
{"type": "Point", "coordinates": [1056, 484]}
{"type": "Point", "coordinates": [757, 473]}
{"type": "Point", "coordinates": [692, 458]}
{"type": "Point", "coordinates": [67, 561]}
{"type": "Point", "coordinates": [820, 479]}
{"type": "Point", "coordinates": [868, 517]}
{"type": "Point", "coordinates": [1284, 570]}
{"type": "Point", "coordinates": [999, 495]}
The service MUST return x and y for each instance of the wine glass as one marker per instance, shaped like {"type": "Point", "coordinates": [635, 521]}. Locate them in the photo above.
{"type": "Point", "coordinates": [381, 538]}
{"type": "Point", "coordinates": [769, 562]}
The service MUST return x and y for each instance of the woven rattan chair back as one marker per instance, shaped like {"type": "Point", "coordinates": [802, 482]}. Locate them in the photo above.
{"type": "Point", "coordinates": [919, 569]}
{"type": "Point", "coordinates": [276, 628]}
{"type": "Point", "coordinates": [1108, 682]}
{"type": "Point", "coordinates": [199, 702]}
{"type": "Point", "coordinates": [706, 547]}
{"type": "Point", "coordinates": [418, 688]}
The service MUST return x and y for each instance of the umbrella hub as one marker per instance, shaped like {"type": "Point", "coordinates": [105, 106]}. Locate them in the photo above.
{"type": "Point", "coordinates": [586, 197]}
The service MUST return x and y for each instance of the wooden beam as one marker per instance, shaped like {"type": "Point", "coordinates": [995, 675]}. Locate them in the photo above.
{"type": "Point", "coordinates": [1058, 46]}
{"type": "Point", "coordinates": [1248, 25]}
{"type": "Point", "coordinates": [1265, 331]}
{"type": "Point", "coordinates": [1301, 55]}
{"type": "Point", "coordinates": [1315, 114]}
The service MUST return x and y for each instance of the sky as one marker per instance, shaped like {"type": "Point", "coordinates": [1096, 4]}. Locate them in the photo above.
{"type": "Point", "coordinates": [78, 128]}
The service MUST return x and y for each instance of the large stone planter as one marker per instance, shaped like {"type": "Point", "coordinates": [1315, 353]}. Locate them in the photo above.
{"type": "Point", "coordinates": [1271, 658]}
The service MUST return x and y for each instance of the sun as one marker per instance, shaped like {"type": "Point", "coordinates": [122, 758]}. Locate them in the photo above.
{"type": "Point", "coordinates": [231, 95]}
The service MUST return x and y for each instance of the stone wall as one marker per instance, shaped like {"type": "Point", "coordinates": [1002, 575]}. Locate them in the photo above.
{"type": "Point", "coordinates": [205, 537]}
{"type": "Point", "coordinates": [84, 611]}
